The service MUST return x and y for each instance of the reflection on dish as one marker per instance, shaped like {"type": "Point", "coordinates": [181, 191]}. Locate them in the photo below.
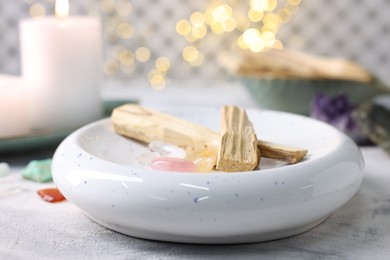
{"type": "Point", "coordinates": [75, 177]}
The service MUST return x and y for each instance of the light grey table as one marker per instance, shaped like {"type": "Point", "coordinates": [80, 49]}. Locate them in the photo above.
{"type": "Point", "coordinates": [33, 229]}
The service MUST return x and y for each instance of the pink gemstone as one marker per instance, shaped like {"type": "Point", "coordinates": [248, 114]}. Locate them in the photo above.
{"type": "Point", "coordinates": [172, 164]}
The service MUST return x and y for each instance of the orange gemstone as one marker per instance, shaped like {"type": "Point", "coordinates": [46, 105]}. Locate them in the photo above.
{"type": "Point", "coordinates": [51, 195]}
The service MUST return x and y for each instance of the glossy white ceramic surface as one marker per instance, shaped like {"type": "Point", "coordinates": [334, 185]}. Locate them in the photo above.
{"type": "Point", "coordinates": [97, 170]}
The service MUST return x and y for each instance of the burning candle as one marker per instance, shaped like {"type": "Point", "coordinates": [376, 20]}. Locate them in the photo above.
{"type": "Point", "coordinates": [61, 64]}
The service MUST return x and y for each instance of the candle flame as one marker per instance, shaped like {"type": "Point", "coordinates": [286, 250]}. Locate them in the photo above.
{"type": "Point", "coordinates": [62, 8]}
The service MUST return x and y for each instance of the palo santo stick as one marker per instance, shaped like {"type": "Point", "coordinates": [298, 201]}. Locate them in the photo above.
{"type": "Point", "coordinates": [238, 150]}
{"type": "Point", "coordinates": [289, 64]}
{"type": "Point", "coordinates": [147, 125]}
{"type": "Point", "coordinates": [287, 154]}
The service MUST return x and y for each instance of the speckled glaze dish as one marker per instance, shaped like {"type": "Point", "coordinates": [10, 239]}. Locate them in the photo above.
{"type": "Point", "coordinates": [97, 170]}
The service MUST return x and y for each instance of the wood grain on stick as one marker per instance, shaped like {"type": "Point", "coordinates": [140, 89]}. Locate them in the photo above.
{"type": "Point", "coordinates": [238, 147]}
{"type": "Point", "coordinates": [287, 154]}
{"type": "Point", "coordinates": [147, 125]}
{"type": "Point", "coordinates": [289, 64]}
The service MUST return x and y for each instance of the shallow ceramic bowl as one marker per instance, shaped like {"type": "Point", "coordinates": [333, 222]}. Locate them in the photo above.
{"type": "Point", "coordinates": [97, 170]}
{"type": "Point", "coordinates": [295, 96]}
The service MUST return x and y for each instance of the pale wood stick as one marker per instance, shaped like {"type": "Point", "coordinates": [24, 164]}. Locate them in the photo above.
{"type": "Point", "coordinates": [146, 125]}
{"type": "Point", "coordinates": [238, 150]}
{"type": "Point", "coordinates": [287, 154]}
{"type": "Point", "coordinates": [293, 64]}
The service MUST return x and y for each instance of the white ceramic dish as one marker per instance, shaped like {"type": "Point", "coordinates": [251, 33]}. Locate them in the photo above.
{"type": "Point", "coordinates": [97, 170]}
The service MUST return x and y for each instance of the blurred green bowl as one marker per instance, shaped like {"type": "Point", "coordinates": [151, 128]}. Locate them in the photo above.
{"type": "Point", "coordinates": [296, 95]}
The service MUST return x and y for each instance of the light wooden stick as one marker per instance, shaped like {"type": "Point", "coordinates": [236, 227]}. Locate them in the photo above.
{"type": "Point", "coordinates": [289, 64]}
{"type": "Point", "coordinates": [287, 154]}
{"type": "Point", "coordinates": [146, 125]}
{"type": "Point", "coordinates": [238, 150]}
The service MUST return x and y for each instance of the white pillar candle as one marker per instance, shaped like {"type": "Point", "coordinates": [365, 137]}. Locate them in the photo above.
{"type": "Point", "coordinates": [13, 111]}
{"type": "Point", "coordinates": [61, 64]}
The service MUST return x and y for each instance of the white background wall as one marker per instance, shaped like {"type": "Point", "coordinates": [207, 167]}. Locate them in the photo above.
{"type": "Point", "coordinates": [355, 29]}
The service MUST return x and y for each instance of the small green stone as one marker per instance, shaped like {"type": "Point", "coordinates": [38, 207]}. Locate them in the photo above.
{"type": "Point", "coordinates": [38, 170]}
{"type": "Point", "coordinates": [4, 169]}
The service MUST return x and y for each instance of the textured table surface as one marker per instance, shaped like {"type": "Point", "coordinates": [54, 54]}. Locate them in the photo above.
{"type": "Point", "coordinates": [33, 229]}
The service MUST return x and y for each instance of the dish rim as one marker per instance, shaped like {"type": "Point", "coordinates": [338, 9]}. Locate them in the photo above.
{"type": "Point", "coordinates": [76, 135]}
